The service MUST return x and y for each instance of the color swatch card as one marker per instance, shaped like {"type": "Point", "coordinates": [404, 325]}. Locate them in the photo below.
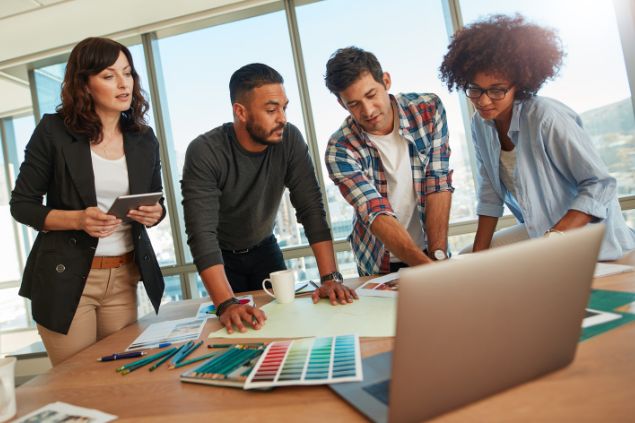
{"type": "Point", "coordinates": [311, 361]}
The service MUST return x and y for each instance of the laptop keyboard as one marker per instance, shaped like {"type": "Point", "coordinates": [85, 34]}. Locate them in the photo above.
{"type": "Point", "coordinates": [379, 390]}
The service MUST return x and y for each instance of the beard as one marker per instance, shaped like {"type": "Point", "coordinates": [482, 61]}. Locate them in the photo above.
{"type": "Point", "coordinates": [261, 135]}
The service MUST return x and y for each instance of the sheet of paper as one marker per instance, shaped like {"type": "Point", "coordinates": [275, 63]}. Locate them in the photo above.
{"type": "Point", "coordinates": [383, 286]}
{"type": "Point", "coordinates": [208, 310]}
{"type": "Point", "coordinates": [368, 316]}
{"type": "Point", "coordinates": [168, 332]}
{"type": "Point", "coordinates": [311, 361]}
{"type": "Point", "coordinates": [596, 317]}
{"type": "Point", "coordinates": [606, 269]}
{"type": "Point", "coordinates": [63, 412]}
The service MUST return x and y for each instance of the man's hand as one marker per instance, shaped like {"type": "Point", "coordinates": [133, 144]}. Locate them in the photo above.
{"type": "Point", "coordinates": [235, 314]}
{"type": "Point", "coordinates": [335, 292]}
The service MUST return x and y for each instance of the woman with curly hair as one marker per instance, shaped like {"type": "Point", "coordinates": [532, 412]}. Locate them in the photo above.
{"type": "Point", "coordinates": [83, 269]}
{"type": "Point", "coordinates": [533, 154]}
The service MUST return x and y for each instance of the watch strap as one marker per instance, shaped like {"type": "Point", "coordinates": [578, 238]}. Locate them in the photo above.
{"type": "Point", "coordinates": [223, 306]}
{"type": "Point", "coordinates": [334, 276]}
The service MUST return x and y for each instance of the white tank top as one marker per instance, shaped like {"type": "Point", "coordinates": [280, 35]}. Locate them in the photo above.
{"type": "Point", "coordinates": [111, 181]}
{"type": "Point", "coordinates": [395, 158]}
{"type": "Point", "coordinates": [507, 170]}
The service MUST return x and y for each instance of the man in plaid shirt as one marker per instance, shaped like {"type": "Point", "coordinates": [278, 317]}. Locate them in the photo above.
{"type": "Point", "coordinates": [390, 161]}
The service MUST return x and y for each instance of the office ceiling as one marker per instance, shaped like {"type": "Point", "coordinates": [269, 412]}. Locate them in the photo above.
{"type": "Point", "coordinates": [9, 8]}
{"type": "Point", "coordinates": [31, 30]}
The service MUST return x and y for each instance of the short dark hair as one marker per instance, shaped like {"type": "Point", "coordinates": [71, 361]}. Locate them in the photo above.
{"type": "Point", "coordinates": [252, 76]}
{"type": "Point", "coordinates": [88, 58]}
{"type": "Point", "coordinates": [524, 53]}
{"type": "Point", "coordinates": [346, 66]}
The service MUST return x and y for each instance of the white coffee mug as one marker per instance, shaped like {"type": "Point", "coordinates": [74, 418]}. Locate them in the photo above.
{"type": "Point", "coordinates": [7, 388]}
{"type": "Point", "coordinates": [283, 284]}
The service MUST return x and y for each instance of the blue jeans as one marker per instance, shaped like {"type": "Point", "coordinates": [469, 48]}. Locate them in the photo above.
{"type": "Point", "coordinates": [246, 270]}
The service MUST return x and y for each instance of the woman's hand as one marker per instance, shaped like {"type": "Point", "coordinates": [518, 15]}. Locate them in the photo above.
{"type": "Point", "coordinates": [147, 215]}
{"type": "Point", "coordinates": [96, 223]}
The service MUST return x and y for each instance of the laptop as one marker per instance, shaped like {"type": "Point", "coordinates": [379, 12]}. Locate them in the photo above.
{"type": "Point", "coordinates": [472, 327]}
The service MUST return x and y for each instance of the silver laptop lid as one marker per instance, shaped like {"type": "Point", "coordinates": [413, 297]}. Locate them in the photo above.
{"type": "Point", "coordinates": [470, 327]}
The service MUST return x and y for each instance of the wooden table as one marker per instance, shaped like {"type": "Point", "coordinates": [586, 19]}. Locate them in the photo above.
{"type": "Point", "coordinates": [598, 386]}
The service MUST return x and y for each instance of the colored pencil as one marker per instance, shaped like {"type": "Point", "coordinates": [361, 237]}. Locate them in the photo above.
{"type": "Point", "coordinates": [196, 359]}
{"type": "Point", "coordinates": [165, 358]}
{"type": "Point", "coordinates": [177, 357]}
{"type": "Point", "coordinates": [249, 344]}
{"type": "Point", "coordinates": [124, 370]}
{"type": "Point", "coordinates": [185, 354]}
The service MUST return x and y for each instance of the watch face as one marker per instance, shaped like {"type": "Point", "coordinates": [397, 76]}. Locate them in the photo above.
{"type": "Point", "coordinates": [439, 255]}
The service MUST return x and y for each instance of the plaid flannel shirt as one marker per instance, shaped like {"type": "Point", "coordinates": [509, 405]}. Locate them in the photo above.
{"type": "Point", "coordinates": [354, 165]}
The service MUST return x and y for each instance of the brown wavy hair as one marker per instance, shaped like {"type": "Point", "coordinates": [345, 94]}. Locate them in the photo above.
{"type": "Point", "coordinates": [88, 58]}
{"type": "Point", "coordinates": [524, 53]}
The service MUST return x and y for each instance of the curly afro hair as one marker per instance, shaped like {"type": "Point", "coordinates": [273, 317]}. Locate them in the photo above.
{"type": "Point", "coordinates": [522, 52]}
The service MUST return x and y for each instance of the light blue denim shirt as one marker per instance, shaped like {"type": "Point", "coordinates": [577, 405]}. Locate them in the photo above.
{"type": "Point", "coordinates": [557, 169]}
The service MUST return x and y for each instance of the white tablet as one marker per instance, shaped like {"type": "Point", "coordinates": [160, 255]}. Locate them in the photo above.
{"type": "Point", "coordinates": [124, 203]}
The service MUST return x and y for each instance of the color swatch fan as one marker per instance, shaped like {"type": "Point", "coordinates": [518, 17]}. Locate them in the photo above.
{"type": "Point", "coordinates": [311, 361]}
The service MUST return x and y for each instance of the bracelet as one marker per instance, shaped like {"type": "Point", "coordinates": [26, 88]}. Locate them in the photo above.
{"type": "Point", "coordinates": [222, 306]}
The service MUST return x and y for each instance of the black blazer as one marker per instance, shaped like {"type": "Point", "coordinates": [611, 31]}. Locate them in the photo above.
{"type": "Point", "coordinates": [58, 164]}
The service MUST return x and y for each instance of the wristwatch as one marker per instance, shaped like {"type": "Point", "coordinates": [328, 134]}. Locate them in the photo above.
{"type": "Point", "coordinates": [553, 232]}
{"type": "Point", "coordinates": [439, 255]}
{"type": "Point", "coordinates": [335, 277]}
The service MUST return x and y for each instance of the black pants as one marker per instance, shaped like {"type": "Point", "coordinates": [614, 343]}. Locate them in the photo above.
{"type": "Point", "coordinates": [246, 270]}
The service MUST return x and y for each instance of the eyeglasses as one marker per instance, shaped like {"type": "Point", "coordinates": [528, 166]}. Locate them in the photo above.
{"type": "Point", "coordinates": [495, 94]}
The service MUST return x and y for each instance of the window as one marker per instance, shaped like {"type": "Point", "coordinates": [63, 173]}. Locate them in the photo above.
{"type": "Point", "coordinates": [593, 80]}
{"type": "Point", "coordinates": [48, 82]}
{"type": "Point", "coordinates": [196, 69]}
{"type": "Point", "coordinates": [411, 53]}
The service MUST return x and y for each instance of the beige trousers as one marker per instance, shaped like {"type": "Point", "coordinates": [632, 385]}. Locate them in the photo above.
{"type": "Point", "coordinates": [108, 304]}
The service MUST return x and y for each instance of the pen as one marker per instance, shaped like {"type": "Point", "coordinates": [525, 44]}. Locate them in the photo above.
{"type": "Point", "coordinates": [118, 356]}
{"type": "Point", "coordinates": [125, 369]}
{"type": "Point", "coordinates": [301, 288]}
{"type": "Point", "coordinates": [314, 284]}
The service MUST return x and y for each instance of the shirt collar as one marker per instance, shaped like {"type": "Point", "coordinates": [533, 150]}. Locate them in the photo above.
{"type": "Point", "coordinates": [404, 122]}
{"type": "Point", "coordinates": [514, 125]}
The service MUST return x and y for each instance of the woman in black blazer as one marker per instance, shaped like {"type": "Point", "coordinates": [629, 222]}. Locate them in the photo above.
{"type": "Point", "coordinates": [82, 272]}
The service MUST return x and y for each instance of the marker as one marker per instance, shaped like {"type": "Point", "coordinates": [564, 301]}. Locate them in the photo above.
{"type": "Point", "coordinates": [119, 356]}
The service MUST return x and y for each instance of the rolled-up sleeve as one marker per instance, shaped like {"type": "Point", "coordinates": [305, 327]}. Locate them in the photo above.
{"type": "Point", "coordinates": [201, 206]}
{"type": "Point", "coordinates": [438, 176]}
{"type": "Point", "coordinates": [572, 152]}
{"type": "Point", "coordinates": [347, 174]}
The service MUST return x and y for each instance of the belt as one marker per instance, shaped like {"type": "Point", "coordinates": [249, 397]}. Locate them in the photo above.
{"type": "Point", "coordinates": [246, 250]}
{"type": "Point", "coordinates": [109, 262]}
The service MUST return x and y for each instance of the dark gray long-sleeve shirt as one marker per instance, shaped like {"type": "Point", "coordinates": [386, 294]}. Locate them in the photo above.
{"type": "Point", "coordinates": [231, 196]}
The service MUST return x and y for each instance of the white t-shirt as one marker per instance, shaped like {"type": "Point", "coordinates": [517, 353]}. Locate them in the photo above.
{"type": "Point", "coordinates": [395, 158]}
{"type": "Point", "coordinates": [111, 181]}
{"type": "Point", "coordinates": [507, 168]}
